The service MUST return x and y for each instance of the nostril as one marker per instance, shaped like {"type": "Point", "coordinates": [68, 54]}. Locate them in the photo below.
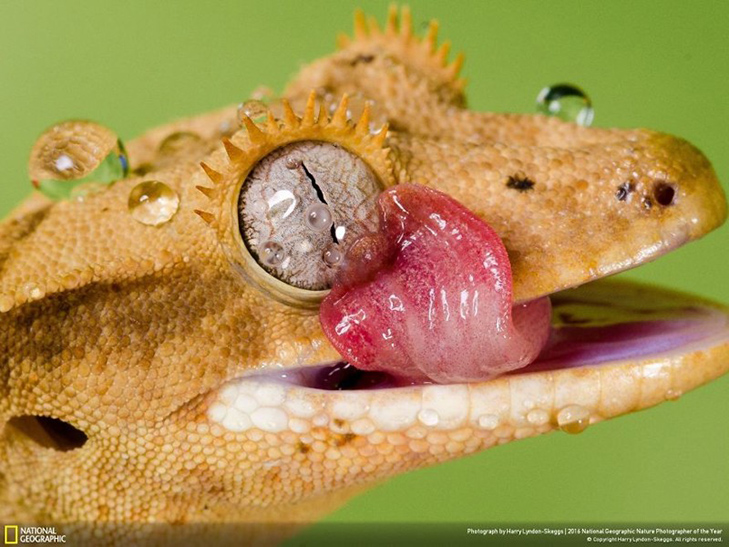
{"type": "Point", "coordinates": [664, 193]}
{"type": "Point", "coordinates": [48, 432]}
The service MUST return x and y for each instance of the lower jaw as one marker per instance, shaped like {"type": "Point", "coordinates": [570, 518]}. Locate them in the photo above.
{"type": "Point", "coordinates": [616, 347]}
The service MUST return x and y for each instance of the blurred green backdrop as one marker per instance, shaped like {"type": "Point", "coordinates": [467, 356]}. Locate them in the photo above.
{"type": "Point", "coordinates": [664, 65]}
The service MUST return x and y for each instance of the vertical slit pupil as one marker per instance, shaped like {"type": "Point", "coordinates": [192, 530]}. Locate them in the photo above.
{"type": "Point", "coordinates": [320, 195]}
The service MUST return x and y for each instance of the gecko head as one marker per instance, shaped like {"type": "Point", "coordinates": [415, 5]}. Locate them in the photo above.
{"type": "Point", "coordinates": [180, 371]}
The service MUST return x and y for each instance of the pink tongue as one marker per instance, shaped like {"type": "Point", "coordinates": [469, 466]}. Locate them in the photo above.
{"type": "Point", "coordinates": [429, 296]}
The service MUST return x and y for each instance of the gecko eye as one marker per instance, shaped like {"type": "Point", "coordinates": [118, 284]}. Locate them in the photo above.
{"type": "Point", "coordinates": [300, 208]}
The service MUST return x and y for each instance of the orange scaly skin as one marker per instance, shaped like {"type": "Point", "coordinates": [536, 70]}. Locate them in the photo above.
{"type": "Point", "coordinates": [132, 333]}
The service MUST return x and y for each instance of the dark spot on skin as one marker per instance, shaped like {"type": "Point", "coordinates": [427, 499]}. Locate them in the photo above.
{"type": "Point", "coordinates": [664, 193]}
{"type": "Point", "coordinates": [115, 287]}
{"type": "Point", "coordinates": [105, 209]}
{"type": "Point", "coordinates": [338, 422]}
{"type": "Point", "coordinates": [520, 183]}
{"type": "Point", "coordinates": [362, 59]}
{"type": "Point", "coordinates": [624, 190]}
{"type": "Point", "coordinates": [345, 439]}
{"type": "Point", "coordinates": [647, 202]}
{"type": "Point", "coordinates": [303, 448]}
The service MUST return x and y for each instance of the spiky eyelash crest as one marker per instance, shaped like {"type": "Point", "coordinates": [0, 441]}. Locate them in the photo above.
{"type": "Point", "coordinates": [245, 149]}
{"type": "Point", "coordinates": [397, 37]}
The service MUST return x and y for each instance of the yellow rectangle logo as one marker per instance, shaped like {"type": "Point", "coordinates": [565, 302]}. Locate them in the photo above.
{"type": "Point", "coordinates": [11, 534]}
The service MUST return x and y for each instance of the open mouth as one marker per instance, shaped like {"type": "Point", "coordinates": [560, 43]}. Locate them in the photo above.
{"type": "Point", "coordinates": [603, 322]}
{"type": "Point", "coordinates": [615, 347]}
{"type": "Point", "coordinates": [429, 337]}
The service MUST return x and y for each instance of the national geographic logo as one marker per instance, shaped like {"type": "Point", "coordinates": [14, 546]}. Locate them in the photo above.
{"type": "Point", "coordinates": [30, 535]}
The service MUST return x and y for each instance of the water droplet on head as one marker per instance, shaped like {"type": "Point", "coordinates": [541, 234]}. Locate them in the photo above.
{"type": "Point", "coordinates": [318, 217]}
{"type": "Point", "coordinates": [179, 142]}
{"type": "Point", "coordinates": [254, 109]}
{"type": "Point", "coordinates": [573, 419]}
{"type": "Point", "coordinates": [153, 202]}
{"type": "Point", "coordinates": [226, 128]}
{"type": "Point", "coordinates": [272, 253]}
{"type": "Point", "coordinates": [332, 256]}
{"type": "Point", "coordinates": [566, 102]}
{"type": "Point", "coordinates": [73, 153]}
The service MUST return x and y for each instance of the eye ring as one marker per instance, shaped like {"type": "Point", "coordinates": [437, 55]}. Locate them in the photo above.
{"type": "Point", "coordinates": [246, 149]}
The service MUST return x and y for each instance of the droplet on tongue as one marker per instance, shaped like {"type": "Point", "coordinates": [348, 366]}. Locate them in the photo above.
{"type": "Point", "coordinates": [429, 296]}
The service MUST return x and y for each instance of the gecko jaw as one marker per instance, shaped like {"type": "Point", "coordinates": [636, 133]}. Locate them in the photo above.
{"type": "Point", "coordinates": [603, 360]}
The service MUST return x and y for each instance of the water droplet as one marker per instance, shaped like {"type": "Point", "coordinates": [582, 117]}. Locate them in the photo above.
{"type": "Point", "coordinates": [254, 109]}
{"type": "Point", "coordinates": [73, 154]}
{"type": "Point", "coordinates": [179, 143]}
{"type": "Point", "coordinates": [339, 232]}
{"type": "Point", "coordinates": [488, 421]}
{"type": "Point", "coordinates": [153, 202]}
{"type": "Point", "coordinates": [293, 163]}
{"type": "Point", "coordinates": [272, 253]}
{"type": "Point", "coordinates": [566, 102]}
{"type": "Point", "coordinates": [318, 217]}
{"type": "Point", "coordinates": [332, 256]}
{"type": "Point", "coordinates": [573, 419]}
{"type": "Point", "coordinates": [428, 416]}
{"type": "Point", "coordinates": [226, 128]}
{"type": "Point", "coordinates": [673, 394]}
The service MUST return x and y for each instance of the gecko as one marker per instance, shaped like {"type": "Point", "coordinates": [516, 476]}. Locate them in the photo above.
{"type": "Point", "coordinates": [133, 392]}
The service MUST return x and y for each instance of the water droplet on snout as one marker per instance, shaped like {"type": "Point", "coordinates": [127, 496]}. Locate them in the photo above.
{"type": "Point", "coordinates": [566, 102]}
{"type": "Point", "coordinates": [332, 256]}
{"type": "Point", "coordinates": [153, 202]}
{"type": "Point", "coordinates": [75, 158]}
{"type": "Point", "coordinates": [318, 217]}
{"type": "Point", "coordinates": [272, 253]}
{"type": "Point", "coordinates": [573, 419]}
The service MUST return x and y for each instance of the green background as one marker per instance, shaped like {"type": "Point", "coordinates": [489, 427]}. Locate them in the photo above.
{"type": "Point", "coordinates": [663, 65]}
